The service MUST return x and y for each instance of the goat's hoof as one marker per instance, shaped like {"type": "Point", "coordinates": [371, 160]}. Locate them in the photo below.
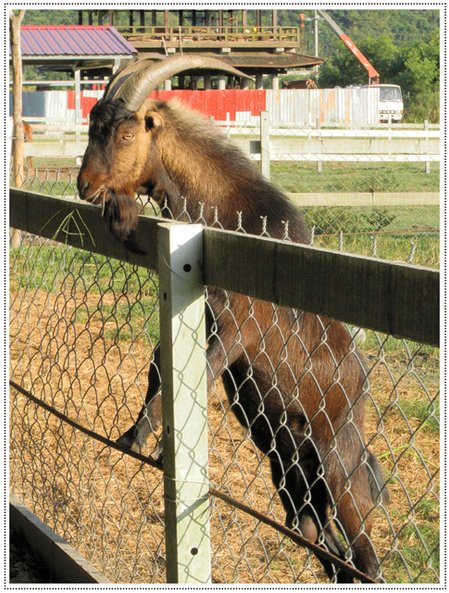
{"type": "Point", "coordinates": [129, 443]}
{"type": "Point", "coordinates": [158, 454]}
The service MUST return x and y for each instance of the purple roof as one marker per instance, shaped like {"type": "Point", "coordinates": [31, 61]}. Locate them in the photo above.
{"type": "Point", "coordinates": [59, 40]}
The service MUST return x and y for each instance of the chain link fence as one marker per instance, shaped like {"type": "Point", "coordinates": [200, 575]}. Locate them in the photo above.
{"type": "Point", "coordinates": [385, 210]}
{"type": "Point", "coordinates": [83, 329]}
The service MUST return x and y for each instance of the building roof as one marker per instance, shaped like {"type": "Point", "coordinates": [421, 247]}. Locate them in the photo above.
{"type": "Point", "coordinates": [54, 41]}
{"type": "Point", "coordinates": [267, 60]}
{"type": "Point", "coordinates": [253, 62]}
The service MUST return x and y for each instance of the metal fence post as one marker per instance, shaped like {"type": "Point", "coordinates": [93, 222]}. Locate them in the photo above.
{"type": "Point", "coordinates": [184, 385]}
{"type": "Point", "coordinates": [265, 144]}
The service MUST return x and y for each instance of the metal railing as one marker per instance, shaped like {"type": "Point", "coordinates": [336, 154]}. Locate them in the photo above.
{"type": "Point", "coordinates": [213, 34]}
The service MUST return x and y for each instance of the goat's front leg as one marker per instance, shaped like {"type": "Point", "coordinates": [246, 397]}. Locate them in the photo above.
{"type": "Point", "coordinates": [150, 416]}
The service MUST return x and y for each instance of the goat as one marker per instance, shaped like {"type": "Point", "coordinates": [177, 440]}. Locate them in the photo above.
{"type": "Point", "coordinates": [28, 137]}
{"type": "Point", "coordinates": [309, 83]}
{"type": "Point", "coordinates": [27, 132]}
{"type": "Point", "coordinates": [298, 384]}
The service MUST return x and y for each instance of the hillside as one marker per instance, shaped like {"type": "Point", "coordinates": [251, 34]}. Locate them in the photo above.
{"type": "Point", "coordinates": [401, 26]}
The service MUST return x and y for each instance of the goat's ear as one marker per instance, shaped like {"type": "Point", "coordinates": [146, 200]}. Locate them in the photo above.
{"type": "Point", "coordinates": [153, 120]}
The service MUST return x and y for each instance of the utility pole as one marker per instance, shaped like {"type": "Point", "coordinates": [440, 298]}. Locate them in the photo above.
{"type": "Point", "coordinates": [315, 35]}
{"type": "Point", "coordinates": [15, 20]}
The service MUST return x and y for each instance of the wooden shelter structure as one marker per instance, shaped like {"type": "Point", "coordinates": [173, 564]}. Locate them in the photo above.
{"type": "Point", "coordinates": [250, 40]}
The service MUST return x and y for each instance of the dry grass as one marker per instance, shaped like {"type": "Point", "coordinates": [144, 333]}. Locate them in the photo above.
{"type": "Point", "coordinates": [69, 349]}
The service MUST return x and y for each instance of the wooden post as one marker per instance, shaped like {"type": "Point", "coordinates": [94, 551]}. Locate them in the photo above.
{"type": "Point", "coordinates": [184, 408]}
{"type": "Point", "coordinates": [78, 110]}
{"type": "Point", "coordinates": [15, 20]}
{"type": "Point", "coordinates": [265, 144]}
{"type": "Point", "coordinates": [274, 21]}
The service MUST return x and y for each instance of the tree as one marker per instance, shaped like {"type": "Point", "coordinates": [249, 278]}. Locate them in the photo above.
{"type": "Point", "coordinates": [421, 80]}
{"type": "Point", "coordinates": [422, 64]}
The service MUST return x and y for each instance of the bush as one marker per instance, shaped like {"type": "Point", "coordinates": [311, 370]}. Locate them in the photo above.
{"type": "Point", "coordinates": [328, 221]}
{"type": "Point", "coordinates": [424, 106]}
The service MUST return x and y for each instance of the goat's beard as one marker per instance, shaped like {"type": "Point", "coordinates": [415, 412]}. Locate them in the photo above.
{"type": "Point", "coordinates": [121, 215]}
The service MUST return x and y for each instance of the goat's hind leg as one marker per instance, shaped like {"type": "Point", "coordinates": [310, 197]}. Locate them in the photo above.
{"type": "Point", "coordinates": [150, 416]}
{"type": "Point", "coordinates": [354, 506]}
{"type": "Point", "coordinates": [305, 502]}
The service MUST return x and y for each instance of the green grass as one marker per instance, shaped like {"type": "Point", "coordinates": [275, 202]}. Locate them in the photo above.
{"type": "Point", "coordinates": [427, 413]}
{"type": "Point", "coordinates": [118, 292]}
{"type": "Point", "coordinates": [302, 177]}
{"type": "Point", "coordinates": [294, 177]}
{"type": "Point", "coordinates": [416, 552]}
{"type": "Point", "coordinates": [396, 233]}
{"type": "Point", "coordinates": [49, 182]}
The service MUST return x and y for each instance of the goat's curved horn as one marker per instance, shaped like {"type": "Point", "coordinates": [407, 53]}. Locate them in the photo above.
{"type": "Point", "coordinates": [139, 79]}
{"type": "Point", "coordinates": [123, 73]}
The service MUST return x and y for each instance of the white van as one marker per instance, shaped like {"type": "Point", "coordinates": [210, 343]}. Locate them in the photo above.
{"type": "Point", "coordinates": [391, 107]}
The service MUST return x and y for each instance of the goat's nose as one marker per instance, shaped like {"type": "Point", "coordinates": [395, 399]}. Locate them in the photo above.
{"type": "Point", "coordinates": [83, 186]}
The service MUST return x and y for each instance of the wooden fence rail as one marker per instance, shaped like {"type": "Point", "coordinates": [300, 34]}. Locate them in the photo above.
{"type": "Point", "coordinates": [394, 298]}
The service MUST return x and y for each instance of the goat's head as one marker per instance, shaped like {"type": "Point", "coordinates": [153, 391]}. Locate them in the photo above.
{"type": "Point", "coordinates": [121, 157]}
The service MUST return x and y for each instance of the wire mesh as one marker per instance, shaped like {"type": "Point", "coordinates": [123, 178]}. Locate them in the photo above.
{"type": "Point", "coordinates": [83, 328]}
{"type": "Point", "coordinates": [79, 337]}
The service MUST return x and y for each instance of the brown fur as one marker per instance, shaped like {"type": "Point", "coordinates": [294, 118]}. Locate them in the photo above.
{"type": "Point", "coordinates": [28, 137]}
{"type": "Point", "coordinates": [309, 83]}
{"type": "Point", "coordinates": [293, 378]}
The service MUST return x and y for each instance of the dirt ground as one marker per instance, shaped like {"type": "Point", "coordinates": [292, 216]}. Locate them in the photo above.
{"type": "Point", "coordinates": [111, 507]}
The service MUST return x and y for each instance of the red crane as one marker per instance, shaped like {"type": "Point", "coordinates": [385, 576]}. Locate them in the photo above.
{"type": "Point", "coordinates": [373, 74]}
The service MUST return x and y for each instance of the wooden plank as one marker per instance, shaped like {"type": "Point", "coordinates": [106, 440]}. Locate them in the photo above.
{"type": "Point", "coordinates": [79, 224]}
{"type": "Point", "coordinates": [389, 297]}
{"type": "Point", "coordinates": [352, 158]}
{"type": "Point", "coordinates": [62, 149]}
{"type": "Point", "coordinates": [282, 148]}
{"type": "Point", "coordinates": [365, 199]}
{"type": "Point", "coordinates": [285, 144]}
{"type": "Point", "coordinates": [64, 563]}
{"type": "Point", "coordinates": [392, 298]}
{"type": "Point", "coordinates": [286, 132]}
{"type": "Point", "coordinates": [339, 130]}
